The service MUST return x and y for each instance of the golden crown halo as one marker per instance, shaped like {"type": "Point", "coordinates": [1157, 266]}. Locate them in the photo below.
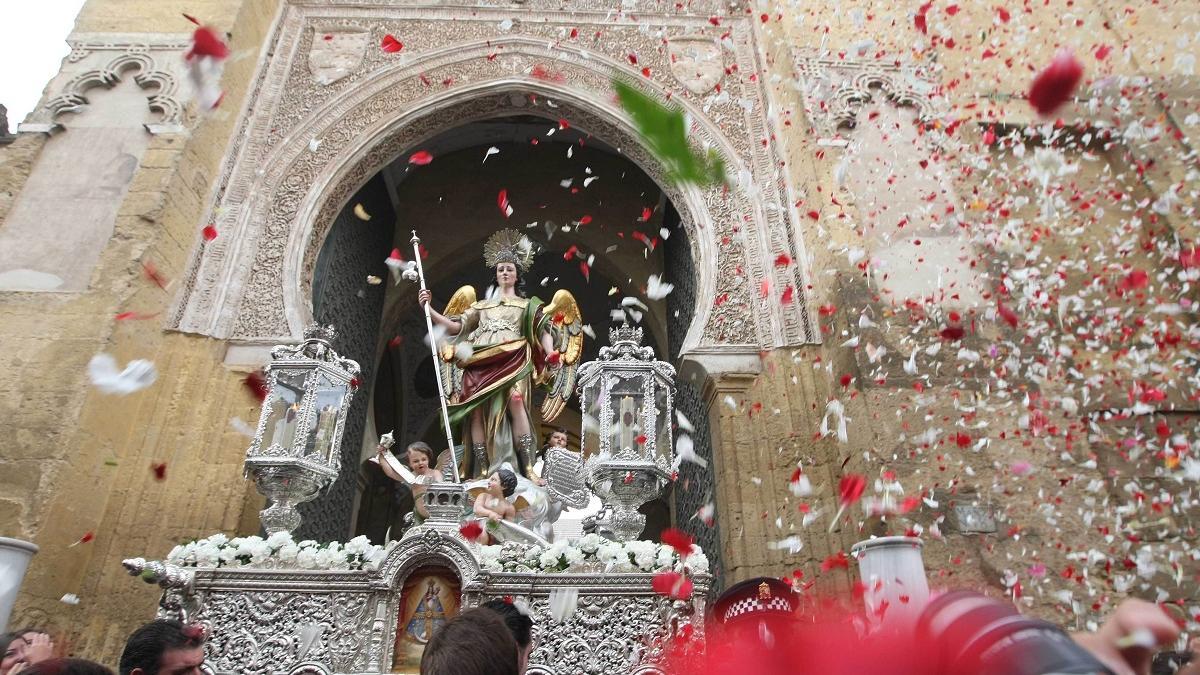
{"type": "Point", "coordinates": [509, 246]}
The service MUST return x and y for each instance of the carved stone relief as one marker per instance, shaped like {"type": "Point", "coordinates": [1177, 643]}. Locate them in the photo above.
{"type": "Point", "coordinates": [696, 62]}
{"type": "Point", "coordinates": [335, 53]}
{"type": "Point", "coordinates": [278, 193]}
{"type": "Point", "coordinates": [836, 89]}
{"type": "Point", "coordinates": [153, 60]}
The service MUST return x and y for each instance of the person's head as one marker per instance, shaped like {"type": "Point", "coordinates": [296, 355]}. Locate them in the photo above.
{"type": "Point", "coordinates": [558, 438]}
{"type": "Point", "coordinates": [164, 648]}
{"type": "Point", "coordinates": [506, 275]}
{"type": "Point", "coordinates": [476, 642]}
{"type": "Point", "coordinates": [420, 457]}
{"type": "Point", "coordinates": [14, 647]}
{"type": "Point", "coordinates": [504, 480]}
{"type": "Point", "coordinates": [520, 625]}
{"type": "Point", "coordinates": [67, 667]}
{"type": "Point", "coordinates": [11, 648]}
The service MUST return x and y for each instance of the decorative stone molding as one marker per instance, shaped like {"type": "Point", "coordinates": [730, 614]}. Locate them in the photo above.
{"type": "Point", "coordinates": [836, 89]}
{"type": "Point", "coordinates": [277, 196]}
{"type": "Point", "coordinates": [103, 60]}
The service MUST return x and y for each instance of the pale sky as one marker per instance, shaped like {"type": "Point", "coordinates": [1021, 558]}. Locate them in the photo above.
{"type": "Point", "coordinates": [33, 42]}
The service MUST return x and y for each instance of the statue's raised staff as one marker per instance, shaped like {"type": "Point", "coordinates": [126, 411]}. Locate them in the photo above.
{"type": "Point", "coordinates": [498, 348]}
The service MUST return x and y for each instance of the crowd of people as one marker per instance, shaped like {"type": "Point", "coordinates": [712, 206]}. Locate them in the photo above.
{"type": "Point", "coordinates": [158, 648]}
{"type": "Point", "coordinates": [749, 633]}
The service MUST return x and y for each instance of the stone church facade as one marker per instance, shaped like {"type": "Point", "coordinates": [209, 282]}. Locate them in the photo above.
{"type": "Point", "coordinates": [825, 117]}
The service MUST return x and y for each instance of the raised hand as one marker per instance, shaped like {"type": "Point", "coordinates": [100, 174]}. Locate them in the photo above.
{"type": "Point", "coordinates": [424, 296]}
{"type": "Point", "coordinates": [41, 648]}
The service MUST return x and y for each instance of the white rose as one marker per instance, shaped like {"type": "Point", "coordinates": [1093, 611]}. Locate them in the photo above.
{"type": "Point", "coordinates": [308, 543]}
{"type": "Point", "coordinates": [176, 554]}
{"type": "Point", "coordinates": [218, 539]}
{"type": "Point", "coordinates": [533, 553]}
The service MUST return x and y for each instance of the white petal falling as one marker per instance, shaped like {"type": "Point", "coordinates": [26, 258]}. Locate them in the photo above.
{"type": "Point", "coordinates": [105, 376]}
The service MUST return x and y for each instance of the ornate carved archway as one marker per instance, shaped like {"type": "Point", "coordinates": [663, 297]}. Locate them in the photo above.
{"type": "Point", "coordinates": [311, 135]}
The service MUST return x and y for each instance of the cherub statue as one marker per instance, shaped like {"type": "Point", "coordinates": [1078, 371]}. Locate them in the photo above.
{"type": "Point", "coordinates": [499, 348]}
{"type": "Point", "coordinates": [492, 503]}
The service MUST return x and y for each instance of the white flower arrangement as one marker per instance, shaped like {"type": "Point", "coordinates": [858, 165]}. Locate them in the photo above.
{"type": "Point", "coordinates": [279, 551]}
{"type": "Point", "coordinates": [590, 550]}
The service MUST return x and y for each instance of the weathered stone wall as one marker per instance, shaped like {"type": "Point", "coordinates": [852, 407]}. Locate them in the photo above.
{"type": "Point", "coordinates": [77, 461]}
{"type": "Point", "coordinates": [16, 161]}
{"type": "Point", "coordinates": [1073, 515]}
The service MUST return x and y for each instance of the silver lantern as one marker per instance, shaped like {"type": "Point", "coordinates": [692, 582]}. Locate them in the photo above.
{"type": "Point", "coordinates": [296, 451]}
{"type": "Point", "coordinates": [628, 397]}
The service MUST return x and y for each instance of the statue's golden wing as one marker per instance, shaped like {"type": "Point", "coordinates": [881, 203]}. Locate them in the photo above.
{"type": "Point", "coordinates": [462, 299]}
{"type": "Point", "coordinates": [566, 329]}
{"type": "Point", "coordinates": [460, 302]}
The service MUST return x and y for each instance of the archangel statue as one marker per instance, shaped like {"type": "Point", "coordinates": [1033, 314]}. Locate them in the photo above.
{"type": "Point", "coordinates": [498, 349]}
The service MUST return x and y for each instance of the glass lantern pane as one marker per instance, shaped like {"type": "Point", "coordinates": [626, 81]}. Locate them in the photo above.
{"type": "Point", "coordinates": [286, 397]}
{"type": "Point", "coordinates": [662, 421]}
{"type": "Point", "coordinates": [589, 436]}
{"type": "Point", "coordinates": [328, 403]}
{"type": "Point", "coordinates": [626, 400]}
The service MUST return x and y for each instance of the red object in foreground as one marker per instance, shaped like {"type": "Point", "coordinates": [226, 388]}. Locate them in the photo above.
{"type": "Point", "coordinates": [1055, 85]}
{"type": "Point", "coordinates": [257, 384]}
{"type": "Point", "coordinates": [420, 158]}
{"type": "Point", "coordinates": [673, 585]}
{"type": "Point", "coordinates": [850, 488]}
{"type": "Point", "coordinates": [209, 232]}
{"type": "Point", "coordinates": [206, 42]}
{"type": "Point", "coordinates": [471, 531]}
{"type": "Point", "coordinates": [679, 540]}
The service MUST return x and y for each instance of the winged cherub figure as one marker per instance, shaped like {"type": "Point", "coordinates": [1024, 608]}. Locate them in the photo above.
{"type": "Point", "coordinates": [499, 348]}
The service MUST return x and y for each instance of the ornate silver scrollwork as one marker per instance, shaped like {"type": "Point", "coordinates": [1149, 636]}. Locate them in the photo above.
{"type": "Point", "coordinates": [301, 622]}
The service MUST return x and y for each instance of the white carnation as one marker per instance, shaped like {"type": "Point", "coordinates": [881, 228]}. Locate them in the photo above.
{"type": "Point", "coordinates": [697, 562]}
{"type": "Point", "coordinates": [574, 555]}
{"type": "Point", "coordinates": [665, 557]}
{"type": "Point", "coordinates": [206, 554]}
{"type": "Point", "coordinates": [358, 545]}
{"type": "Point", "coordinates": [279, 540]}
{"type": "Point", "coordinates": [307, 558]}
{"type": "Point", "coordinates": [590, 542]}
{"type": "Point", "coordinates": [287, 553]}
{"type": "Point", "coordinates": [548, 560]}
